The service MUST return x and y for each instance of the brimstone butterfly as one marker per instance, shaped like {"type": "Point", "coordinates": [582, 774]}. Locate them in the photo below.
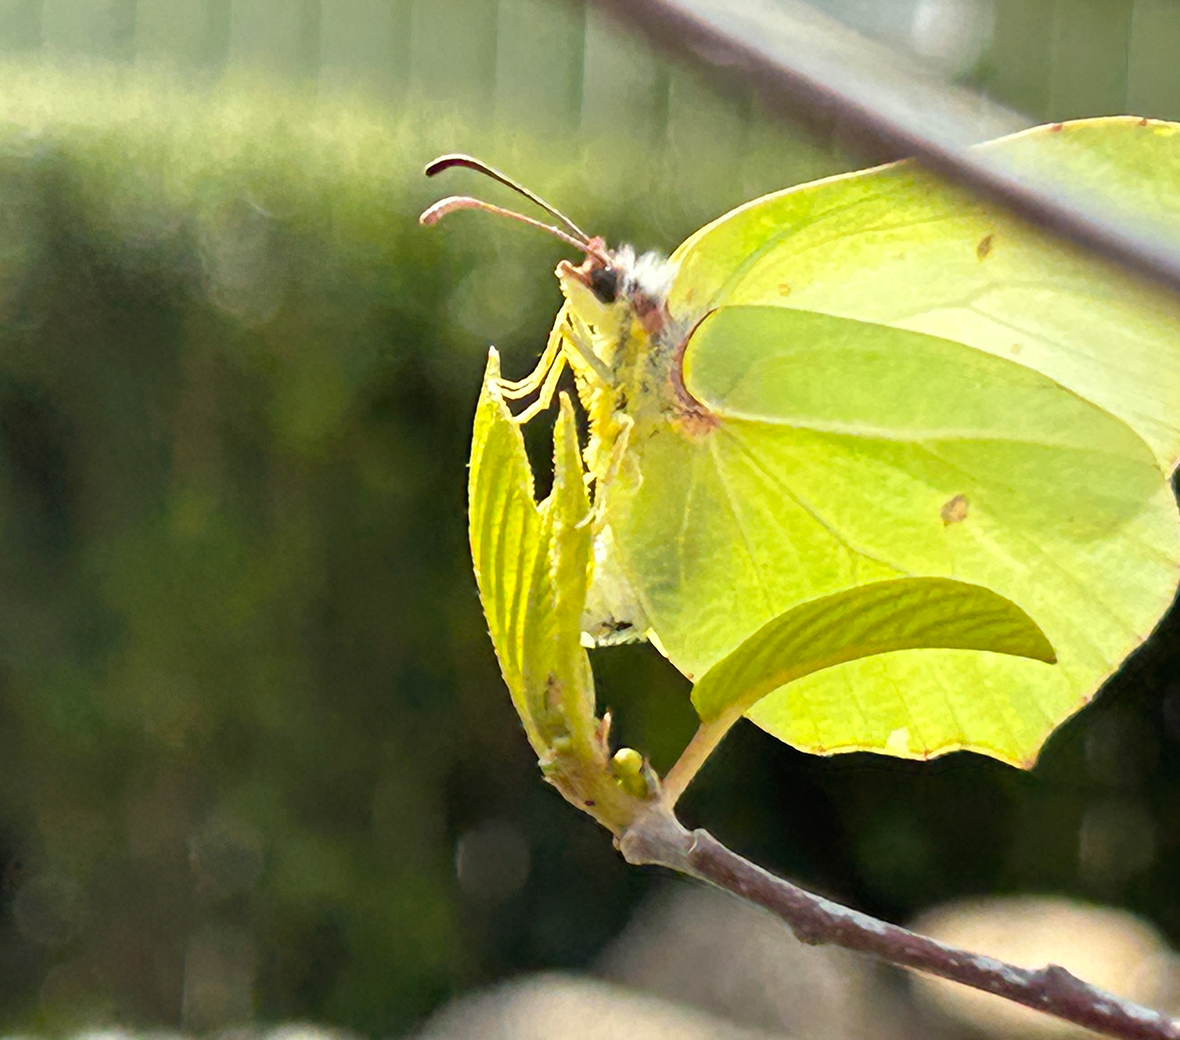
{"type": "Point", "coordinates": [878, 376]}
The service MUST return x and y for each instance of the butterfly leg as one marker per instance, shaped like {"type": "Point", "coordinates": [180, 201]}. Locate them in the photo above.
{"type": "Point", "coordinates": [581, 353]}
{"type": "Point", "coordinates": [514, 389]}
{"type": "Point", "coordinates": [545, 395]}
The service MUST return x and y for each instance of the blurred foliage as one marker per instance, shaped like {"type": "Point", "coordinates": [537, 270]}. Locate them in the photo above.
{"type": "Point", "coordinates": [255, 754]}
{"type": "Point", "coordinates": [562, 63]}
{"type": "Point", "coordinates": [247, 702]}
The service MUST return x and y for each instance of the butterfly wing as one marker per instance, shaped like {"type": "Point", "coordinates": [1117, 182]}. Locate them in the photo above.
{"type": "Point", "coordinates": [899, 379]}
{"type": "Point", "coordinates": [898, 247]}
{"type": "Point", "coordinates": [842, 452]}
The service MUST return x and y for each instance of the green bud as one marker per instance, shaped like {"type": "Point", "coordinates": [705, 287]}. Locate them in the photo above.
{"type": "Point", "coordinates": [628, 769]}
{"type": "Point", "coordinates": [626, 762]}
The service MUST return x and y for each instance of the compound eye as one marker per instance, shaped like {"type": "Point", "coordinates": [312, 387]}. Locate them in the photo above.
{"type": "Point", "coordinates": [604, 283]}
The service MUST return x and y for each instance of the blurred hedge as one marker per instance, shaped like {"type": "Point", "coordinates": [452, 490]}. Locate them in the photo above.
{"type": "Point", "coordinates": [247, 701]}
{"type": "Point", "coordinates": [255, 756]}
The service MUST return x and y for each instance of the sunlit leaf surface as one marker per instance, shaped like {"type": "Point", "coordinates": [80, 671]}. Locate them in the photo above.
{"type": "Point", "coordinates": [893, 379]}
{"type": "Point", "coordinates": [531, 564]}
{"type": "Point", "coordinates": [882, 617]}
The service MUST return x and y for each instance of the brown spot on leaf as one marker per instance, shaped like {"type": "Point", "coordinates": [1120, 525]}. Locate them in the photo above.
{"type": "Point", "coordinates": [984, 247]}
{"type": "Point", "coordinates": [955, 511]}
{"type": "Point", "coordinates": [1143, 121]}
{"type": "Point", "coordinates": [784, 289]}
{"type": "Point", "coordinates": [1057, 127]}
{"type": "Point", "coordinates": [553, 691]}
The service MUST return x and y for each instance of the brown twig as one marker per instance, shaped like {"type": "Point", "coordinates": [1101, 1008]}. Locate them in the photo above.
{"type": "Point", "coordinates": [657, 837]}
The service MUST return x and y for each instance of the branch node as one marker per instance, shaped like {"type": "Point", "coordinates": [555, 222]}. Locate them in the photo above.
{"type": "Point", "coordinates": [1062, 983]}
{"type": "Point", "coordinates": [656, 836]}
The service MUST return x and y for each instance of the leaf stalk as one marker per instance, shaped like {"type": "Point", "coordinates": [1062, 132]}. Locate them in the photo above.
{"type": "Point", "coordinates": [704, 742]}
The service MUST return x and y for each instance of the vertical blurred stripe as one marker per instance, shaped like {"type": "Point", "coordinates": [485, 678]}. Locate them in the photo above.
{"type": "Point", "coordinates": [20, 25]}
{"type": "Point", "coordinates": [706, 135]}
{"type": "Point", "coordinates": [539, 54]}
{"type": "Point", "coordinates": [171, 31]}
{"type": "Point", "coordinates": [1020, 55]}
{"type": "Point", "coordinates": [366, 43]}
{"type": "Point", "coordinates": [624, 84]}
{"type": "Point", "coordinates": [279, 36]}
{"type": "Point", "coordinates": [1091, 41]}
{"type": "Point", "coordinates": [1153, 86]}
{"type": "Point", "coordinates": [91, 28]}
{"type": "Point", "coordinates": [453, 52]}
{"type": "Point", "coordinates": [558, 65]}
{"type": "Point", "coordinates": [215, 45]}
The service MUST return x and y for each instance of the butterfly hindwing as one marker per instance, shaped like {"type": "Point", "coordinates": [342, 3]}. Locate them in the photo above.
{"type": "Point", "coordinates": [844, 452]}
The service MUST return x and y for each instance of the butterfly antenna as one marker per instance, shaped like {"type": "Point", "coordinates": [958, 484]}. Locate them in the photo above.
{"type": "Point", "coordinates": [469, 162]}
{"type": "Point", "coordinates": [440, 209]}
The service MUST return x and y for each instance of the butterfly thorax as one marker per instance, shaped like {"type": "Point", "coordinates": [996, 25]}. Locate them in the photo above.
{"type": "Point", "coordinates": [626, 349]}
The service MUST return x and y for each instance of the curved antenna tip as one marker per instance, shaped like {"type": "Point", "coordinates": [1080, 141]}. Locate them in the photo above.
{"type": "Point", "coordinates": [454, 203]}
{"type": "Point", "coordinates": [445, 162]}
{"type": "Point", "coordinates": [434, 213]}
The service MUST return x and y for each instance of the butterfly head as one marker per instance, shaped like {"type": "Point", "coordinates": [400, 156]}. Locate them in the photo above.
{"type": "Point", "coordinates": [619, 278]}
{"type": "Point", "coordinates": [605, 280]}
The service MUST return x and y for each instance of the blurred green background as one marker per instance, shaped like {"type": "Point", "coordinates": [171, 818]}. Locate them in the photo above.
{"type": "Point", "coordinates": [256, 762]}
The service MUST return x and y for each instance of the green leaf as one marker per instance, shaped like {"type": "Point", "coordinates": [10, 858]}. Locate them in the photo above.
{"type": "Point", "coordinates": [506, 531]}
{"type": "Point", "coordinates": [532, 568]}
{"type": "Point", "coordinates": [885, 616]}
{"type": "Point", "coordinates": [567, 511]}
{"type": "Point", "coordinates": [879, 376]}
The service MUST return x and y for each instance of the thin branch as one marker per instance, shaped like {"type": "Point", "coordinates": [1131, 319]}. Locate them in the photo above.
{"type": "Point", "coordinates": [658, 838]}
{"type": "Point", "coordinates": [809, 67]}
